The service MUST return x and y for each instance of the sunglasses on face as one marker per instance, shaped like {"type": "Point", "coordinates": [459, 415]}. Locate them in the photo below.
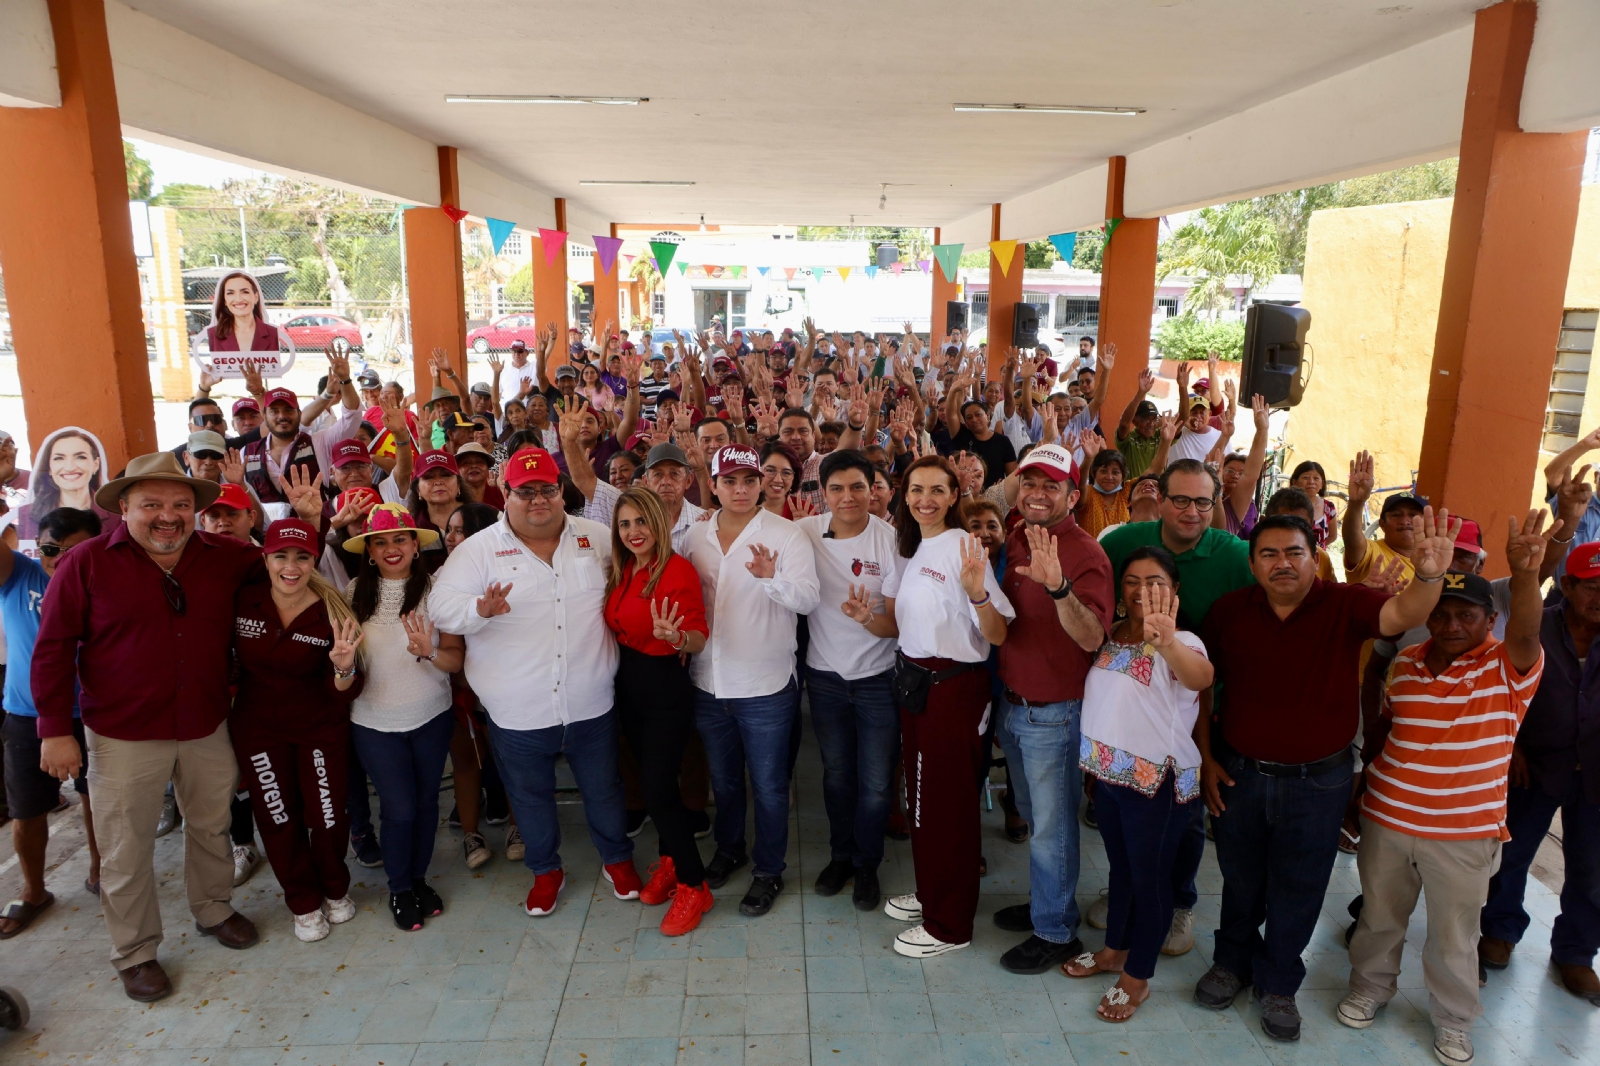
{"type": "Point", "coordinates": [208, 420]}
{"type": "Point", "coordinates": [50, 551]}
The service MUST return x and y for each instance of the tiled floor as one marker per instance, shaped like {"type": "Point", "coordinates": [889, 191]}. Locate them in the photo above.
{"type": "Point", "coordinates": [596, 984]}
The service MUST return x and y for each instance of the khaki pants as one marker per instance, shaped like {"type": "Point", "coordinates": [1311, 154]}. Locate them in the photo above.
{"type": "Point", "coordinates": [127, 779]}
{"type": "Point", "coordinates": [1455, 876]}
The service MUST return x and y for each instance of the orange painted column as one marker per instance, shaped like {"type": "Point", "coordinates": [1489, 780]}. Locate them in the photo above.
{"type": "Point", "coordinates": [551, 297]}
{"type": "Point", "coordinates": [1127, 296]}
{"type": "Point", "coordinates": [1505, 276]}
{"type": "Point", "coordinates": [66, 246]}
{"type": "Point", "coordinates": [438, 290]}
{"type": "Point", "coordinates": [944, 290]}
{"type": "Point", "coordinates": [605, 295]}
{"type": "Point", "coordinates": [1005, 292]}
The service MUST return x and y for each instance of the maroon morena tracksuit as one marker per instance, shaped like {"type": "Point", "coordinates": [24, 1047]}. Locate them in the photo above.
{"type": "Point", "coordinates": [291, 735]}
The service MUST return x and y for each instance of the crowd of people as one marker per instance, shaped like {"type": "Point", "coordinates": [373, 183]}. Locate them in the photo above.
{"type": "Point", "coordinates": [636, 557]}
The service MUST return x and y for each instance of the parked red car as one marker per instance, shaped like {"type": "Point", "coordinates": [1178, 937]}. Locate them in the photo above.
{"type": "Point", "coordinates": [499, 334]}
{"type": "Point", "coordinates": [317, 331]}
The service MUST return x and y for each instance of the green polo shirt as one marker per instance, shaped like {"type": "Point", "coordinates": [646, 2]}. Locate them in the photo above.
{"type": "Point", "coordinates": [1139, 451]}
{"type": "Point", "coordinates": [1217, 565]}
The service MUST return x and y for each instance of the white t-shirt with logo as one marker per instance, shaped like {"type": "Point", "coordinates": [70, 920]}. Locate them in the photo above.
{"type": "Point", "coordinates": [840, 644]}
{"type": "Point", "coordinates": [1192, 445]}
{"type": "Point", "coordinates": [935, 617]}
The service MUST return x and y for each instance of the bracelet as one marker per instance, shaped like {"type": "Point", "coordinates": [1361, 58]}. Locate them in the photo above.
{"type": "Point", "coordinates": [1063, 592]}
{"type": "Point", "coordinates": [978, 604]}
{"type": "Point", "coordinates": [427, 658]}
{"type": "Point", "coordinates": [683, 640]}
{"type": "Point", "coordinates": [343, 675]}
{"type": "Point", "coordinates": [1569, 540]}
{"type": "Point", "coordinates": [1430, 580]}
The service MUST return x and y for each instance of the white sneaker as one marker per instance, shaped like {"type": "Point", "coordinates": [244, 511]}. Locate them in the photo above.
{"type": "Point", "coordinates": [340, 911]}
{"type": "Point", "coordinates": [245, 861]}
{"type": "Point", "coordinates": [1453, 1047]}
{"type": "Point", "coordinates": [1099, 911]}
{"type": "Point", "coordinates": [1357, 1011]}
{"type": "Point", "coordinates": [918, 943]}
{"type": "Point", "coordinates": [516, 850]}
{"type": "Point", "coordinates": [904, 908]}
{"type": "Point", "coordinates": [1180, 938]}
{"type": "Point", "coordinates": [311, 927]}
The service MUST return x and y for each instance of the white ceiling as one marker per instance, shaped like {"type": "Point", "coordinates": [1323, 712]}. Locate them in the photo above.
{"type": "Point", "coordinates": [795, 113]}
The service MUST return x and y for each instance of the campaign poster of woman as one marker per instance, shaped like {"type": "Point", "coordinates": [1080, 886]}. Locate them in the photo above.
{"type": "Point", "coordinates": [239, 332]}
{"type": "Point", "coordinates": [68, 469]}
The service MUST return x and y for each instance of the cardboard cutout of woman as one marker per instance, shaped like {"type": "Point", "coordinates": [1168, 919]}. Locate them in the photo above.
{"type": "Point", "coordinates": [239, 325]}
{"type": "Point", "coordinates": [67, 470]}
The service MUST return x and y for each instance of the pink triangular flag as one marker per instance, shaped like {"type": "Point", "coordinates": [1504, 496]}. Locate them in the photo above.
{"type": "Point", "coordinates": [896, 267]}
{"type": "Point", "coordinates": [553, 240]}
{"type": "Point", "coordinates": [788, 272]}
{"type": "Point", "coordinates": [606, 249]}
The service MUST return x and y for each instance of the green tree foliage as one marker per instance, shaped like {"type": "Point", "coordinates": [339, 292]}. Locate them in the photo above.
{"type": "Point", "coordinates": [519, 287]}
{"type": "Point", "coordinates": [914, 244]}
{"type": "Point", "coordinates": [140, 174]}
{"type": "Point", "coordinates": [1216, 242]}
{"type": "Point", "coordinates": [1089, 251]}
{"type": "Point", "coordinates": [1038, 255]}
{"type": "Point", "coordinates": [1189, 337]}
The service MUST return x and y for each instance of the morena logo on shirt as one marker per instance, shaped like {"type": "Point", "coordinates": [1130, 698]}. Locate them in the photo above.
{"type": "Point", "coordinates": [927, 572]}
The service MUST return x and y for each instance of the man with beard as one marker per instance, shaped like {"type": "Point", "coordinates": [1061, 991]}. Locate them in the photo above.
{"type": "Point", "coordinates": [286, 444]}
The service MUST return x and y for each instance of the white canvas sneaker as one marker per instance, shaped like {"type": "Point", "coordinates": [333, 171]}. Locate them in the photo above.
{"type": "Point", "coordinates": [918, 943]}
{"type": "Point", "coordinates": [904, 908]}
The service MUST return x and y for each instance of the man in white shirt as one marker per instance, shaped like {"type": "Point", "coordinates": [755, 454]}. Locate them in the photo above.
{"type": "Point", "coordinates": [529, 596]}
{"type": "Point", "coordinates": [1196, 436]}
{"type": "Point", "coordinates": [758, 576]}
{"type": "Point", "coordinates": [850, 675]}
{"type": "Point", "coordinates": [668, 472]}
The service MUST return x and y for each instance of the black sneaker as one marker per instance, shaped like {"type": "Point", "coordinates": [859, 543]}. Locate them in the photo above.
{"type": "Point", "coordinates": [407, 915]}
{"type": "Point", "coordinates": [1086, 813]}
{"type": "Point", "coordinates": [834, 877]}
{"type": "Point", "coordinates": [1218, 988]}
{"type": "Point", "coordinates": [428, 900]}
{"type": "Point", "coordinates": [454, 821]}
{"type": "Point", "coordinates": [701, 821]}
{"type": "Point", "coordinates": [1036, 955]}
{"type": "Point", "coordinates": [636, 820]}
{"type": "Point", "coordinates": [1015, 919]}
{"type": "Point", "coordinates": [721, 867]}
{"type": "Point", "coordinates": [365, 845]}
{"type": "Point", "coordinates": [495, 811]}
{"type": "Point", "coordinates": [1280, 1018]}
{"type": "Point", "coordinates": [762, 895]}
{"type": "Point", "coordinates": [867, 894]}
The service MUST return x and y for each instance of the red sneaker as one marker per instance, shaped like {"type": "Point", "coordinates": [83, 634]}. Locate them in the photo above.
{"type": "Point", "coordinates": [624, 879]}
{"type": "Point", "coordinates": [688, 904]}
{"type": "Point", "coordinates": [542, 896]}
{"type": "Point", "coordinates": [663, 880]}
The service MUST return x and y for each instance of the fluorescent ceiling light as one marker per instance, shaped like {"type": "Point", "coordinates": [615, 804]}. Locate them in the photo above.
{"type": "Point", "coordinates": [1053, 109]}
{"type": "Point", "coordinates": [624, 181]}
{"type": "Point", "coordinates": [623, 100]}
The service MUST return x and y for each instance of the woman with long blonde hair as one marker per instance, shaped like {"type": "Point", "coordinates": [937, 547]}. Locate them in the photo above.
{"type": "Point", "coordinates": [655, 608]}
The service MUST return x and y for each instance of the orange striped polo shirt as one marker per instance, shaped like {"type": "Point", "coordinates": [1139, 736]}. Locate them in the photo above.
{"type": "Point", "coordinates": [1442, 774]}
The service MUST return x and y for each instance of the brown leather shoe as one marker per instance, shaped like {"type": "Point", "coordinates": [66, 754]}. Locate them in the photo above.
{"type": "Point", "coordinates": [1494, 952]}
{"type": "Point", "coordinates": [1581, 981]}
{"type": "Point", "coordinates": [145, 982]}
{"type": "Point", "coordinates": [237, 931]}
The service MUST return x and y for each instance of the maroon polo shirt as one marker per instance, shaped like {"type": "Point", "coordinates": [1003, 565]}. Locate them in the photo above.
{"type": "Point", "coordinates": [1290, 688]}
{"type": "Point", "coordinates": [146, 672]}
{"type": "Point", "coordinates": [1039, 661]}
{"type": "Point", "coordinates": [285, 678]}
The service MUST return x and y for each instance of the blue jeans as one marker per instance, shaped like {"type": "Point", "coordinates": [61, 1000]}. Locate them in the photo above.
{"type": "Point", "coordinates": [527, 761]}
{"type": "Point", "coordinates": [1142, 835]}
{"type": "Point", "coordinates": [406, 769]}
{"type": "Point", "coordinates": [858, 731]}
{"type": "Point", "coordinates": [358, 807]}
{"type": "Point", "coordinates": [1041, 746]}
{"type": "Point", "coordinates": [1576, 934]}
{"type": "Point", "coordinates": [751, 732]}
{"type": "Point", "coordinates": [1276, 844]}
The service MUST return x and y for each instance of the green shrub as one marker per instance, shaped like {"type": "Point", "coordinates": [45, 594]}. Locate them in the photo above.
{"type": "Point", "coordinates": [1188, 337]}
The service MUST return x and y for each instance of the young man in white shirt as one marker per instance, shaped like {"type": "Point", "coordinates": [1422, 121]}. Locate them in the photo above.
{"type": "Point", "coordinates": [758, 576]}
{"type": "Point", "coordinates": [1196, 436]}
{"type": "Point", "coordinates": [529, 596]}
{"type": "Point", "coordinates": [850, 675]}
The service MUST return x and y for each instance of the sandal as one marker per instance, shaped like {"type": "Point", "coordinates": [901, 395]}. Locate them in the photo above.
{"type": "Point", "coordinates": [1087, 963]}
{"type": "Point", "coordinates": [1349, 840]}
{"type": "Point", "coordinates": [1117, 996]}
{"type": "Point", "coordinates": [91, 887]}
{"type": "Point", "coordinates": [23, 913]}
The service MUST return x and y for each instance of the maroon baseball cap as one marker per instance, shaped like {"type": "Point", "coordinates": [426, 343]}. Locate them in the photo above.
{"type": "Point", "coordinates": [731, 458]}
{"type": "Point", "coordinates": [350, 451]}
{"type": "Point", "coordinates": [529, 465]}
{"type": "Point", "coordinates": [429, 462]}
{"type": "Point", "coordinates": [281, 396]}
{"type": "Point", "coordinates": [246, 403]}
{"type": "Point", "coordinates": [289, 533]}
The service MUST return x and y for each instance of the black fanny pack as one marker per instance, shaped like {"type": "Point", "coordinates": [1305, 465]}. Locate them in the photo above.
{"type": "Point", "coordinates": [912, 683]}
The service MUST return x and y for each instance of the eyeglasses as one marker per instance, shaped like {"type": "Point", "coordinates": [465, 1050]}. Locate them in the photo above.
{"type": "Point", "coordinates": [50, 551]}
{"type": "Point", "coordinates": [1203, 504]}
{"type": "Point", "coordinates": [174, 592]}
{"type": "Point", "coordinates": [527, 493]}
{"type": "Point", "coordinates": [778, 471]}
{"type": "Point", "coordinates": [208, 420]}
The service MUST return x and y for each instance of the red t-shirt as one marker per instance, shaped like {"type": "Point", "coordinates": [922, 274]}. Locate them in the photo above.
{"type": "Point", "coordinates": [628, 610]}
{"type": "Point", "coordinates": [1039, 661]}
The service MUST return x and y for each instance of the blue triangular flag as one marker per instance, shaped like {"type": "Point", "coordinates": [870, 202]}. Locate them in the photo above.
{"type": "Point", "coordinates": [763, 270]}
{"type": "Point", "coordinates": [1065, 243]}
{"type": "Point", "coordinates": [872, 270]}
{"type": "Point", "coordinates": [499, 230]}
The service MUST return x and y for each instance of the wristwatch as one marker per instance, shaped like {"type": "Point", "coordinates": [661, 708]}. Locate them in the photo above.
{"type": "Point", "coordinates": [1063, 592]}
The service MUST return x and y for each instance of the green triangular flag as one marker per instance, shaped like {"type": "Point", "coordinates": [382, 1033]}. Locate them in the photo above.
{"type": "Point", "coordinates": [949, 258]}
{"type": "Point", "coordinates": [1111, 227]}
{"type": "Point", "coordinates": [663, 251]}
{"type": "Point", "coordinates": [736, 271]}
{"type": "Point", "coordinates": [683, 268]}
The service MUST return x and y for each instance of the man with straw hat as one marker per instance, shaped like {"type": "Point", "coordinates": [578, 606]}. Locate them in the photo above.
{"type": "Point", "coordinates": [137, 624]}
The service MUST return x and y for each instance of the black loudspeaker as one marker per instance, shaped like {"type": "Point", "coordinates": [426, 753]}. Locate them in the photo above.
{"type": "Point", "coordinates": [1025, 326]}
{"type": "Point", "coordinates": [888, 256]}
{"type": "Point", "coordinates": [1277, 360]}
{"type": "Point", "coordinates": [955, 316]}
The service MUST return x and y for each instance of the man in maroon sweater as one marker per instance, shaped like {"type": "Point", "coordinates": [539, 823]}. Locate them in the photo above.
{"type": "Point", "coordinates": [140, 618]}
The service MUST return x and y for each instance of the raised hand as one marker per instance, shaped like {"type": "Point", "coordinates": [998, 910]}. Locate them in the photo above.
{"type": "Point", "coordinates": [346, 639]}
{"type": "Point", "coordinates": [1260, 410]}
{"type": "Point", "coordinates": [208, 380]}
{"type": "Point", "coordinates": [493, 601]}
{"type": "Point", "coordinates": [1044, 559]}
{"type": "Point", "coordinates": [800, 507]}
{"type": "Point", "coordinates": [1573, 494]}
{"type": "Point", "coordinates": [353, 513]}
{"type": "Point", "coordinates": [1160, 615]}
{"type": "Point", "coordinates": [666, 621]}
{"type": "Point", "coordinates": [571, 423]}
{"type": "Point", "coordinates": [252, 380]}
{"type": "Point", "coordinates": [1169, 428]}
{"type": "Point", "coordinates": [1108, 359]}
{"type": "Point", "coordinates": [1359, 484]}
{"type": "Point", "coordinates": [394, 416]}
{"type": "Point", "coordinates": [763, 562]}
{"type": "Point", "coordinates": [694, 453]}
{"type": "Point", "coordinates": [338, 367]}
{"type": "Point", "coordinates": [974, 567]}
{"type": "Point", "coordinates": [1147, 381]}
{"type": "Point", "coordinates": [1092, 444]}
{"type": "Point", "coordinates": [859, 606]}
{"type": "Point", "coordinates": [1436, 534]}
{"type": "Point", "coordinates": [1525, 547]}
{"type": "Point", "coordinates": [233, 467]}
{"type": "Point", "coordinates": [419, 635]}
{"type": "Point", "coordinates": [1388, 578]}
{"type": "Point", "coordinates": [302, 489]}
{"type": "Point", "coordinates": [1047, 424]}
{"type": "Point", "coordinates": [496, 364]}
{"type": "Point", "coordinates": [440, 361]}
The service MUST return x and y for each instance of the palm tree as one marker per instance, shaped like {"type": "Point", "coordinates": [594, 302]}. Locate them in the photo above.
{"type": "Point", "coordinates": [644, 271]}
{"type": "Point", "coordinates": [1216, 242]}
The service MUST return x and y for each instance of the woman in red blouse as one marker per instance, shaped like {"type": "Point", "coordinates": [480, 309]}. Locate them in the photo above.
{"type": "Point", "coordinates": [655, 609]}
{"type": "Point", "coordinates": [294, 647]}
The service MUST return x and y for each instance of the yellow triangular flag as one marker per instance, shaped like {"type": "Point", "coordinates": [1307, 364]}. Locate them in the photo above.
{"type": "Point", "coordinates": [844, 273]}
{"type": "Point", "coordinates": [1003, 251]}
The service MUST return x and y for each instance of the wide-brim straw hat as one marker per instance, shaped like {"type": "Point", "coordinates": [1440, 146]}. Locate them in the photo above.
{"type": "Point", "coordinates": [157, 466]}
{"type": "Point", "coordinates": [390, 518]}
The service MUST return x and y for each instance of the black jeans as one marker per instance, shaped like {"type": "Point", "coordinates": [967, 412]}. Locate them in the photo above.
{"type": "Point", "coordinates": [1276, 844]}
{"type": "Point", "coordinates": [655, 705]}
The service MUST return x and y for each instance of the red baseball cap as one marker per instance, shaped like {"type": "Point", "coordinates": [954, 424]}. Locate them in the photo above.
{"type": "Point", "coordinates": [428, 462]}
{"type": "Point", "coordinates": [1470, 539]}
{"type": "Point", "coordinates": [281, 396]}
{"type": "Point", "coordinates": [1583, 561]}
{"type": "Point", "coordinates": [233, 496]}
{"type": "Point", "coordinates": [289, 533]}
{"type": "Point", "coordinates": [731, 458]}
{"type": "Point", "coordinates": [246, 403]}
{"type": "Point", "coordinates": [529, 465]}
{"type": "Point", "coordinates": [1053, 461]}
{"type": "Point", "coordinates": [350, 451]}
